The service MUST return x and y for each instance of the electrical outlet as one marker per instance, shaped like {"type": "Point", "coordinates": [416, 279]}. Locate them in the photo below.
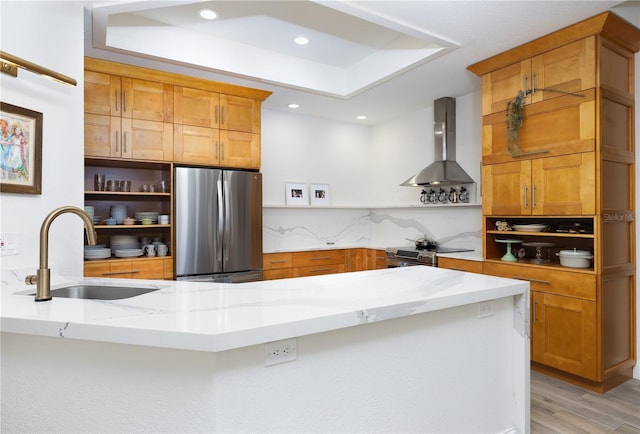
{"type": "Point", "coordinates": [8, 243]}
{"type": "Point", "coordinates": [485, 309]}
{"type": "Point", "coordinates": [280, 352]}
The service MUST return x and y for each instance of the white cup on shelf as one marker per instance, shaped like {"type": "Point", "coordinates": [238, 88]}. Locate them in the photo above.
{"type": "Point", "coordinates": [163, 219]}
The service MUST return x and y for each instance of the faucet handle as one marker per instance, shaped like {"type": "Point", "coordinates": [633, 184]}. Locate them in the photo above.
{"type": "Point", "coordinates": [31, 279]}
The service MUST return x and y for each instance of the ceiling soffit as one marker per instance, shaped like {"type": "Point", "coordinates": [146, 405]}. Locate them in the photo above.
{"type": "Point", "coordinates": [352, 49]}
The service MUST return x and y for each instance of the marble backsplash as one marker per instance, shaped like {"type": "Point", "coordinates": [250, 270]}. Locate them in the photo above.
{"type": "Point", "coordinates": [298, 228]}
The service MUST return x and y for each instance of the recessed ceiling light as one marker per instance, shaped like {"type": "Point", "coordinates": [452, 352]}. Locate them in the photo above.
{"type": "Point", "coordinates": [208, 14]}
{"type": "Point", "coordinates": [293, 106]}
{"type": "Point", "coordinates": [361, 117]}
{"type": "Point", "coordinates": [301, 40]}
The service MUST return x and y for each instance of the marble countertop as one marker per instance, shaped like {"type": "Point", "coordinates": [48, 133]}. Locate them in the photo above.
{"type": "Point", "coordinates": [216, 317]}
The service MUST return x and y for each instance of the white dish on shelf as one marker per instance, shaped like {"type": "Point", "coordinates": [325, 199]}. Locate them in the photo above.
{"type": "Point", "coordinates": [128, 253]}
{"type": "Point", "coordinates": [102, 253]}
{"type": "Point", "coordinates": [95, 246]}
{"type": "Point", "coordinates": [529, 228]}
{"type": "Point", "coordinates": [575, 258]}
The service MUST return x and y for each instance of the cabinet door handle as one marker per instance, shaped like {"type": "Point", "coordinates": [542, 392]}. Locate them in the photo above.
{"type": "Point", "coordinates": [116, 94]}
{"type": "Point", "coordinates": [217, 108]}
{"type": "Point", "coordinates": [525, 191]}
{"type": "Point", "coordinates": [533, 83]}
{"type": "Point", "coordinates": [321, 258]}
{"type": "Point", "coordinates": [113, 273]}
{"type": "Point", "coordinates": [124, 102]}
{"type": "Point", "coordinates": [124, 142]}
{"type": "Point", "coordinates": [217, 150]}
{"type": "Point", "coordinates": [222, 115]}
{"type": "Point", "coordinates": [545, 282]}
{"type": "Point", "coordinates": [533, 196]}
{"type": "Point", "coordinates": [535, 305]}
{"type": "Point", "coordinates": [524, 84]}
{"type": "Point", "coordinates": [116, 139]}
{"type": "Point", "coordinates": [221, 150]}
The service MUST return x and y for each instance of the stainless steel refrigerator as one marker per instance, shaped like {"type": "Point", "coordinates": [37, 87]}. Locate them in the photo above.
{"type": "Point", "coordinates": [218, 224]}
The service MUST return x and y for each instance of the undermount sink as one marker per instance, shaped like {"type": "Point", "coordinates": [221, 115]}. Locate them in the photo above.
{"type": "Point", "coordinates": [99, 292]}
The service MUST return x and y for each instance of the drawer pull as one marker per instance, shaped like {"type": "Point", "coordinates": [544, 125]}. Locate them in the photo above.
{"type": "Point", "coordinates": [322, 258]}
{"type": "Point", "coordinates": [279, 262]}
{"type": "Point", "coordinates": [545, 282]}
{"type": "Point", "coordinates": [318, 270]}
{"type": "Point", "coordinates": [111, 273]}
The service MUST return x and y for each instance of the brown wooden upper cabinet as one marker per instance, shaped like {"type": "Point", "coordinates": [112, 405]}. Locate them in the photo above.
{"type": "Point", "coordinates": [559, 107]}
{"type": "Point", "coordinates": [563, 185]}
{"type": "Point", "coordinates": [217, 129]}
{"type": "Point", "coordinates": [127, 118]}
{"type": "Point", "coordinates": [570, 68]}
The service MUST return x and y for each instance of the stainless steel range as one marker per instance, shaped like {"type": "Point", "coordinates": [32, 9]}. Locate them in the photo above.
{"type": "Point", "coordinates": [408, 256]}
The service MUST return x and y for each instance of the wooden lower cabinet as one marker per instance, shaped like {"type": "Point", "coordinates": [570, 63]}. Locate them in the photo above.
{"type": "Point", "coordinates": [460, 265]}
{"type": "Point", "coordinates": [282, 265]}
{"type": "Point", "coordinates": [146, 268]}
{"type": "Point", "coordinates": [564, 333]}
{"type": "Point", "coordinates": [355, 260]}
{"type": "Point", "coordinates": [277, 265]}
{"type": "Point", "coordinates": [317, 262]}
{"type": "Point", "coordinates": [581, 323]}
{"type": "Point", "coordinates": [376, 259]}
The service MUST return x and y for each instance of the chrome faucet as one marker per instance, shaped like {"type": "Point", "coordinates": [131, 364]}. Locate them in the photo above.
{"type": "Point", "coordinates": [42, 278]}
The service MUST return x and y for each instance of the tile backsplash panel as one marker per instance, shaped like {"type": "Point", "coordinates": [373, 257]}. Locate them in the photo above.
{"type": "Point", "coordinates": [298, 228]}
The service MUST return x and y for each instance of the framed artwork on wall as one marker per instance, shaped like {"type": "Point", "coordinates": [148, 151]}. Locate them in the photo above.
{"type": "Point", "coordinates": [20, 150]}
{"type": "Point", "coordinates": [296, 193]}
{"type": "Point", "coordinates": [319, 194]}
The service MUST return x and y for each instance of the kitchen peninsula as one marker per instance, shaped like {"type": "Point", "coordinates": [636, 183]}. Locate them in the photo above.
{"type": "Point", "coordinates": [410, 349]}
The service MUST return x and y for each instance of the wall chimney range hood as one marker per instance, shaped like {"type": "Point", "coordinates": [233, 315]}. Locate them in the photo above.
{"type": "Point", "coordinates": [445, 170]}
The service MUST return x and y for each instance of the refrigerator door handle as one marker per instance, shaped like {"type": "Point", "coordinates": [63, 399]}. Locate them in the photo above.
{"type": "Point", "coordinates": [227, 218]}
{"type": "Point", "coordinates": [221, 224]}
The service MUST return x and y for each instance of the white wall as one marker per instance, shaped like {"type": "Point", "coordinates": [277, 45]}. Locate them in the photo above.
{"type": "Point", "coordinates": [49, 34]}
{"type": "Point", "coordinates": [310, 150]}
{"type": "Point", "coordinates": [403, 147]}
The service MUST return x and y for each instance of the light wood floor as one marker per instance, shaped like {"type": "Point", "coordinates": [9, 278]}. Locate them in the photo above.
{"type": "Point", "coordinates": [558, 407]}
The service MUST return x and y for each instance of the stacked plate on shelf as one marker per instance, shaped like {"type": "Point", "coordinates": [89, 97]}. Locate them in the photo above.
{"type": "Point", "coordinates": [124, 242]}
{"type": "Point", "coordinates": [128, 253]}
{"type": "Point", "coordinates": [98, 251]}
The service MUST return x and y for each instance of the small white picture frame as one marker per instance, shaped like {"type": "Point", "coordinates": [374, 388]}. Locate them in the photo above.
{"type": "Point", "coordinates": [319, 194]}
{"type": "Point", "coordinates": [296, 193]}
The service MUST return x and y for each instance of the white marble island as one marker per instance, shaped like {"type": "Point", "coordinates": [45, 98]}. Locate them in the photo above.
{"type": "Point", "coordinates": [415, 349]}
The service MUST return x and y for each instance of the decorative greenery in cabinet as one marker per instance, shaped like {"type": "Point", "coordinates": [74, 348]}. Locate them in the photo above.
{"type": "Point", "coordinates": [575, 166]}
